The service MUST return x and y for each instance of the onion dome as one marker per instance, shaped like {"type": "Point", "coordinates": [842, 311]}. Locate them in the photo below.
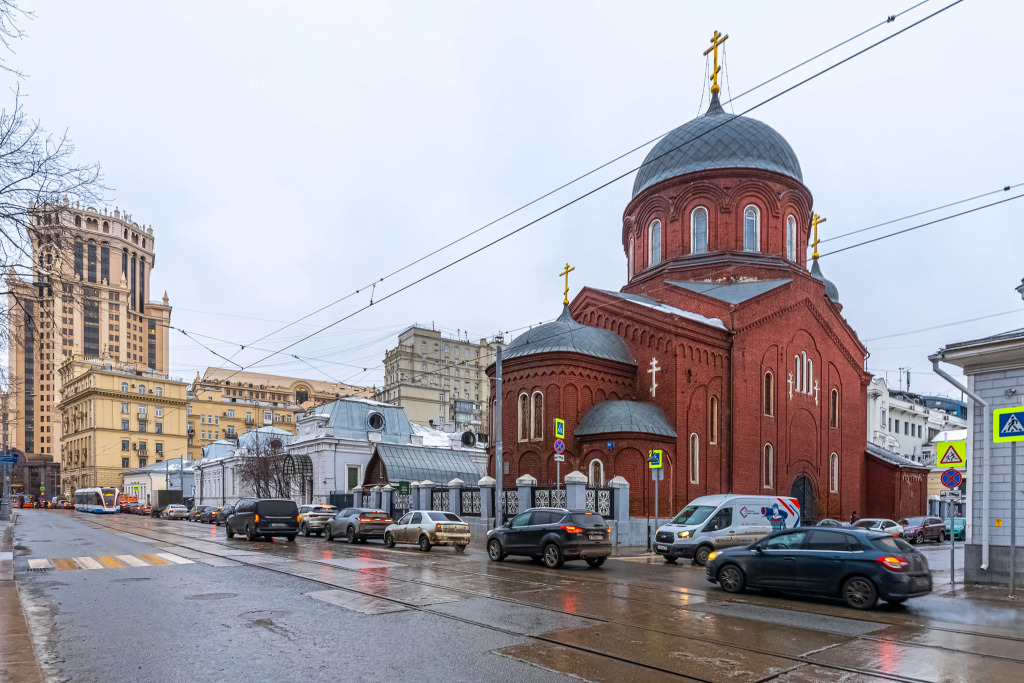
{"type": "Point", "coordinates": [830, 289]}
{"type": "Point", "coordinates": [717, 140]}
{"type": "Point", "coordinates": [567, 335]}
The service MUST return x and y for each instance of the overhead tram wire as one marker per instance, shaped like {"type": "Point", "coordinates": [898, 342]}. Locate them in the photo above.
{"type": "Point", "coordinates": [589, 173]}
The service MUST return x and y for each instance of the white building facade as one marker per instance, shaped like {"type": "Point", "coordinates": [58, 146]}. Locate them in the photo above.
{"type": "Point", "coordinates": [906, 423]}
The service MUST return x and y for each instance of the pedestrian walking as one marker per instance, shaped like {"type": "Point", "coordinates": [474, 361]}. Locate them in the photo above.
{"type": "Point", "coordinates": [854, 517]}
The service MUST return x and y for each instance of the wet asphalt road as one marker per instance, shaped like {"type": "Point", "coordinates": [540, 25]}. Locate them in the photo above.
{"type": "Point", "coordinates": [172, 600]}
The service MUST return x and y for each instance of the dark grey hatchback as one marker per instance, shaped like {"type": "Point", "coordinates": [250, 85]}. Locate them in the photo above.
{"type": "Point", "coordinates": [553, 535]}
{"type": "Point", "coordinates": [857, 566]}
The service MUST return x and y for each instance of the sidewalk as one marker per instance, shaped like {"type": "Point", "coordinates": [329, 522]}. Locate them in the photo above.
{"type": "Point", "coordinates": [17, 656]}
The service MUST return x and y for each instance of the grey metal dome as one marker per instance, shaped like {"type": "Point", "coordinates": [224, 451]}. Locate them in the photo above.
{"type": "Point", "coordinates": [565, 334]}
{"type": "Point", "coordinates": [717, 140]}
{"type": "Point", "coordinates": [830, 289]}
{"type": "Point", "coordinates": [618, 417]}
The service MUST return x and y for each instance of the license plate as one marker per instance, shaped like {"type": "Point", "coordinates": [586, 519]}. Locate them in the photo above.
{"type": "Point", "coordinates": [278, 525]}
{"type": "Point", "coordinates": [595, 537]}
{"type": "Point", "coordinates": [661, 548]}
{"type": "Point", "coordinates": [452, 529]}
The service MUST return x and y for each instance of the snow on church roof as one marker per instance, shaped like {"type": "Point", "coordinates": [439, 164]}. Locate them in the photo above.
{"type": "Point", "coordinates": [665, 308]}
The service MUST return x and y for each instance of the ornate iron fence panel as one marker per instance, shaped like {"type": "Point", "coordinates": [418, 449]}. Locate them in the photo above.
{"type": "Point", "coordinates": [510, 502]}
{"type": "Point", "coordinates": [553, 498]}
{"type": "Point", "coordinates": [401, 504]}
{"type": "Point", "coordinates": [599, 501]}
{"type": "Point", "coordinates": [440, 499]}
{"type": "Point", "coordinates": [470, 502]}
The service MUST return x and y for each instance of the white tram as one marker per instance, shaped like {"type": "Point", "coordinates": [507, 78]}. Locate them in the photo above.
{"type": "Point", "coordinates": [101, 500]}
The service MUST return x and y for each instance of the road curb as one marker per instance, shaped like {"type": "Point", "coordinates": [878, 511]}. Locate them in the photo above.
{"type": "Point", "coordinates": [18, 660]}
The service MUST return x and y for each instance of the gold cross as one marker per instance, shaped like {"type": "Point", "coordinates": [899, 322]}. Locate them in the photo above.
{"type": "Point", "coordinates": [717, 40]}
{"type": "Point", "coordinates": [815, 219]}
{"type": "Point", "coordinates": [566, 272]}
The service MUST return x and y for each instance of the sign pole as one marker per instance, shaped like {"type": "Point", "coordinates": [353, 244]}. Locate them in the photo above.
{"type": "Point", "coordinates": [1013, 520]}
{"type": "Point", "coordinates": [656, 477]}
{"type": "Point", "coordinates": [952, 541]}
{"type": "Point", "coordinates": [558, 476]}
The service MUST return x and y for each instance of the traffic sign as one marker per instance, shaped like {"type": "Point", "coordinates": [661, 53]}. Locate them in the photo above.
{"type": "Point", "coordinates": [42, 488]}
{"type": "Point", "coordinates": [654, 459]}
{"type": "Point", "coordinates": [559, 446]}
{"type": "Point", "coordinates": [609, 444]}
{"type": "Point", "coordinates": [9, 459]}
{"type": "Point", "coordinates": [404, 488]}
{"type": "Point", "coordinates": [559, 428]}
{"type": "Point", "coordinates": [657, 475]}
{"type": "Point", "coordinates": [951, 454]}
{"type": "Point", "coordinates": [1008, 424]}
{"type": "Point", "coordinates": [951, 479]}
{"type": "Point", "coordinates": [559, 457]}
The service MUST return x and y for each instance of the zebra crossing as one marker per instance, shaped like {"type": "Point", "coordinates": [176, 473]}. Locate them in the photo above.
{"type": "Point", "coordinates": [106, 562]}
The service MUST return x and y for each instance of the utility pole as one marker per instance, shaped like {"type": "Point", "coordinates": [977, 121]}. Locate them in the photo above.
{"type": "Point", "coordinates": [498, 465]}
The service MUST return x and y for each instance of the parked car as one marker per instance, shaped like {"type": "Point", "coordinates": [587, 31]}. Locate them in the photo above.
{"type": "Point", "coordinates": [879, 524]}
{"type": "Point", "coordinates": [264, 517]}
{"type": "Point", "coordinates": [313, 518]}
{"type": "Point", "coordinates": [175, 512]}
{"type": "Point", "coordinates": [357, 524]}
{"type": "Point", "coordinates": [714, 522]}
{"type": "Point", "coordinates": [210, 513]}
{"type": "Point", "coordinates": [921, 529]}
{"type": "Point", "coordinates": [553, 535]}
{"type": "Point", "coordinates": [834, 524]}
{"type": "Point", "coordinates": [143, 509]}
{"type": "Point", "coordinates": [222, 516]}
{"type": "Point", "coordinates": [428, 528]}
{"type": "Point", "coordinates": [960, 529]}
{"type": "Point", "coordinates": [194, 512]}
{"type": "Point", "coordinates": [855, 565]}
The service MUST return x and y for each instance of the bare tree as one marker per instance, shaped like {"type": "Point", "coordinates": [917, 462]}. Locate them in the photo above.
{"type": "Point", "coordinates": [262, 467]}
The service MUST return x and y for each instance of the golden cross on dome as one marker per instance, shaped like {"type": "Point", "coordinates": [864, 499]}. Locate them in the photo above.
{"type": "Point", "coordinates": [717, 40]}
{"type": "Point", "coordinates": [815, 219]}
{"type": "Point", "coordinates": [566, 272]}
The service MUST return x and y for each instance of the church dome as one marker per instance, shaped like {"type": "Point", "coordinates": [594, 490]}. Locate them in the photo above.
{"type": "Point", "coordinates": [565, 334]}
{"type": "Point", "coordinates": [830, 288]}
{"type": "Point", "coordinates": [717, 140]}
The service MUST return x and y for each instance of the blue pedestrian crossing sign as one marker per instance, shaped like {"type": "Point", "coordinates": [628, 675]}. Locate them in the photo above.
{"type": "Point", "coordinates": [1008, 424]}
{"type": "Point", "coordinates": [559, 428]}
{"type": "Point", "coordinates": [654, 459]}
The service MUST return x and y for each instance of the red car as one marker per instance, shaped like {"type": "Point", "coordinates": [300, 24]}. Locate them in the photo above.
{"type": "Point", "coordinates": [921, 529]}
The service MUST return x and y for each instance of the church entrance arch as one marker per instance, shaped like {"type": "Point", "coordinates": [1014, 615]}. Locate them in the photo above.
{"type": "Point", "coordinates": [803, 491]}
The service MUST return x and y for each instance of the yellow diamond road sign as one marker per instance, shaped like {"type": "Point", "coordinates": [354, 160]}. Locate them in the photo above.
{"type": "Point", "coordinates": [951, 454]}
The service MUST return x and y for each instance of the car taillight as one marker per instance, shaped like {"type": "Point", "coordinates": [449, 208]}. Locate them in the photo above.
{"type": "Point", "coordinates": [388, 520]}
{"type": "Point", "coordinates": [296, 519]}
{"type": "Point", "coordinates": [896, 564]}
{"type": "Point", "coordinates": [572, 529]}
{"type": "Point", "coordinates": [437, 527]}
{"type": "Point", "coordinates": [257, 518]}
{"type": "Point", "coordinates": [608, 530]}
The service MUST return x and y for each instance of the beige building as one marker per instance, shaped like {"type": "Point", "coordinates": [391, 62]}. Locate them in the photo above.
{"type": "Point", "coordinates": [223, 403]}
{"type": "Point", "coordinates": [438, 380]}
{"type": "Point", "coordinates": [88, 297]}
{"type": "Point", "coordinates": [115, 418]}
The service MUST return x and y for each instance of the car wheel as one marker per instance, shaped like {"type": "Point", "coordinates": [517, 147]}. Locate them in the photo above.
{"type": "Point", "coordinates": [860, 593]}
{"type": "Point", "coordinates": [305, 530]}
{"type": "Point", "coordinates": [595, 562]}
{"type": "Point", "coordinates": [460, 548]}
{"type": "Point", "coordinates": [701, 556]}
{"type": "Point", "coordinates": [553, 556]}
{"type": "Point", "coordinates": [424, 543]}
{"type": "Point", "coordinates": [291, 538]}
{"type": "Point", "coordinates": [350, 535]}
{"type": "Point", "coordinates": [249, 535]}
{"type": "Point", "coordinates": [731, 579]}
{"type": "Point", "coordinates": [327, 533]}
{"type": "Point", "coordinates": [494, 550]}
{"type": "Point", "coordinates": [942, 537]}
{"type": "Point", "coordinates": [231, 534]}
{"type": "Point", "coordinates": [389, 540]}
{"type": "Point", "coordinates": [670, 559]}
{"type": "Point", "coordinates": [919, 539]}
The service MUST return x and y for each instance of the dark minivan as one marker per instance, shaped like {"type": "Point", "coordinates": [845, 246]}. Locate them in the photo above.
{"type": "Point", "coordinates": [264, 517]}
{"type": "Point", "coordinates": [554, 536]}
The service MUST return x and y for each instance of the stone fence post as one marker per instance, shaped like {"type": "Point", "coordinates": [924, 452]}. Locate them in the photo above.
{"type": "Point", "coordinates": [357, 497]}
{"type": "Point", "coordinates": [487, 509]}
{"type": "Point", "coordinates": [620, 498]}
{"type": "Point", "coordinates": [414, 496]}
{"type": "Point", "coordinates": [576, 490]}
{"type": "Point", "coordinates": [526, 484]}
{"type": "Point", "coordinates": [455, 495]}
{"type": "Point", "coordinates": [426, 491]}
{"type": "Point", "coordinates": [375, 497]}
{"type": "Point", "coordinates": [386, 498]}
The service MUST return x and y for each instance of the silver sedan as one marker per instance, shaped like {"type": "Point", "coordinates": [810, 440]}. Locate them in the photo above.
{"type": "Point", "coordinates": [175, 512]}
{"type": "Point", "coordinates": [427, 528]}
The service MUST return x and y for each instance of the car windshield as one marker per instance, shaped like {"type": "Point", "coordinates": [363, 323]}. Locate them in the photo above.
{"type": "Point", "coordinates": [444, 517]}
{"type": "Point", "coordinates": [867, 523]}
{"type": "Point", "coordinates": [892, 544]}
{"type": "Point", "coordinates": [912, 521]}
{"type": "Point", "coordinates": [694, 514]}
{"type": "Point", "coordinates": [588, 519]}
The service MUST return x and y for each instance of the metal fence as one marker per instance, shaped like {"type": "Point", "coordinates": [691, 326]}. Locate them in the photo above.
{"type": "Point", "coordinates": [599, 500]}
{"type": "Point", "coordinates": [549, 498]}
{"type": "Point", "coordinates": [469, 502]}
{"type": "Point", "coordinates": [340, 500]}
{"type": "Point", "coordinates": [510, 502]}
{"type": "Point", "coordinates": [440, 499]}
{"type": "Point", "coordinates": [400, 504]}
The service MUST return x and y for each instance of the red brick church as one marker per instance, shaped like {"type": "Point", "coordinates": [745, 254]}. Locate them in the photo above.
{"type": "Point", "coordinates": [723, 349]}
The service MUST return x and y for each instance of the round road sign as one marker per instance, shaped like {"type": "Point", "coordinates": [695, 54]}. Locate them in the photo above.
{"type": "Point", "coordinates": [951, 479]}
{"type": "Point", "coordinates": [559, 446]}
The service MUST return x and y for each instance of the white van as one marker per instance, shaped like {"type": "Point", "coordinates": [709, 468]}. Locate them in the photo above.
{"type": "Point", "coordinates": [714, 522]}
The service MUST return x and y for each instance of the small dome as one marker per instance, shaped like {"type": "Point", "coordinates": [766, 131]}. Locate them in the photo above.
{"type": "Point", "coordinates": [717, 140]}
{"type": "Point", "coordinates": [565, 334]}
{"type": "Point", "coordinates": [830, 289]}
{"type": "Point", "coordinates": [625, 417]}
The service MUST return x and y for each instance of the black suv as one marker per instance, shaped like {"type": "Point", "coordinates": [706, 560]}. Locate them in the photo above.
{"type": "Point", "coordinates": [554, 535]}
{"type": "Point", "coordinates": [266, 517]}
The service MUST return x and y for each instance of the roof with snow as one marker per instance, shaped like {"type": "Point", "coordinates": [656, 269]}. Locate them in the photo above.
{"type": "Point", "coordinates": [665, 308]}
{"type": "Point", "coordinates": [732, 292]}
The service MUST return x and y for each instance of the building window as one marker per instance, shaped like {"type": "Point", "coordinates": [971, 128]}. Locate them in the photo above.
{"type": "Point", "coordinates": [596, 476]}
{"type": "Point", "coordinates": [884, 420]}
{"type": "Point", "coordinates": [791, 238]}
{"type": "Point", "coordinates": [159, 448]}
{"type": "Point", "coordinates": [159, 427]}
{"type": "Point", "coordinates": [897, 425]}
{"type": "Point", "coordinates": [524, 417]}
{"type": "Point", "coordinates": [537, 423]}
{"type": "Point", "coordinates": [768, 467]}
{"type": "Point", "coordinates": [654, 244]}
{"type": "Point", "coordinates": [353, 476]}
{"type": "Point", "coordinates": [833, 409]}
{"type": "Point", "coordinates": [699, 230]}
{"type": "Point", "coordinates": [231, 412]}
{"type": "Point", "coordinates": [124, 407]}
{"type": "Point", "coordinates": [751, 229]}
{"type": "Point", "coordinates": [906, 428]}
{"type": "Point", "coordinates": [713, 414]}
{"type": "Point", "coordinates": [833, 473]}
{"type": "Point", "coordinates": [124, 445]}
{"type": "Point", "coordinates": [126, 463]}
{"type": "Point", "coordinates": [125, 425]}
{"type": "Point", "coordinates": [769, 394]}
{"type": "Point", "coordinates": [124, 387]}
{"type": "Point", "coordinates": [159, 412]}
{"type": "Point", "coordinates": [188, 410]}
{"type": "Point", "coordinates": [629, 258]}
{"type": "Point", "coordinates": [143, 461]}
{"type": "Point", "coordinates": [142, 388]}
{"type": "Point", "coordinates": [694, 459]}
{"type": "Point", "coordinates": [268, 417]}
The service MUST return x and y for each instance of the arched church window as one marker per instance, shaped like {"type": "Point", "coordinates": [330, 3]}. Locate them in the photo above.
{"type": "Point", "coordinates": [654, 243]}
{"type": "Point", "coordinates": [524, 417]}
{"type": "Point", "coordinates": [699, 230]}
{"type": "Point", "coordinates": [791, 238]}
{"type": "Point", "coordinates": [768, 467]}
{"type": "Point", "coordinates": [808, 376]}
{"type": "Point", "coordinates": [833, 409]}
{"type": "Point", "coordinates": [798, 368]}
{"type": "Point", "coordinates": [769, 394]}
{"type": "Point", "coordinates": [629, 258]}
{"type": "Point", "coordinates": [751, 229]}
{"type": "Point", "coordinates": [713, 414]}
{"type": "Point", "coordinates": [78, 221]}
{"type": "Point", "coordinates": [537, 427]}
{"type": "Point", "coordinates": [833, 473]}
{"type": "Point", "coordinates": [596, 474]}
{"type": "Point", "coordinates": [694, 459]}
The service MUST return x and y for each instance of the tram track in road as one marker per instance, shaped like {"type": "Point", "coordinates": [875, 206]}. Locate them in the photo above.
{"type": "Point", "coordinates": [798, 661]}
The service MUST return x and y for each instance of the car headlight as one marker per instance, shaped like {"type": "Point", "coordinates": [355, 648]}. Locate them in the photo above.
{"type": "Point", "coordinates": [713, 555]}
{"type": "Point", "coordinates": [684, 534]}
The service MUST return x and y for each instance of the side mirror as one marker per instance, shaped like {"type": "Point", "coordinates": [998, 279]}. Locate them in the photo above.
{"type": "Point", "coordinates": [758, 549]}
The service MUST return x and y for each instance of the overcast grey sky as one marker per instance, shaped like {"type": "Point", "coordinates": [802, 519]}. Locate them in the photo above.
{"type": "Point", "coordinates": [287, 154]}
